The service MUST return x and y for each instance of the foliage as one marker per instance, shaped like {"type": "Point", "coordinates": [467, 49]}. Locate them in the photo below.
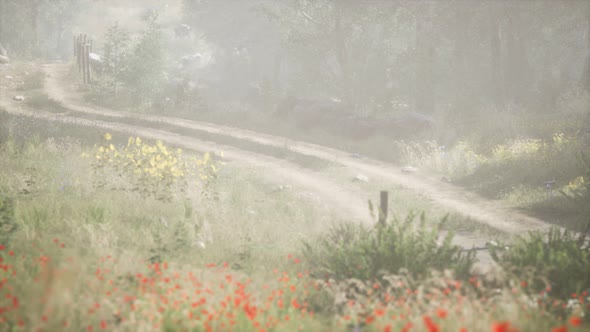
{"type": "Point", "coordinates": [106, 260]}
{"type": "Point", "coordinates": [578, 190]}
{"type": "Point", "coordinates": [133, 68]}
{"type": "Point", "coordinates": [558, 260]}
{"type": "Point", "coordinates": [457, 160]}
{"type": "Point", "coordinates": [151, 170]}
{"type": "Point", "coordinates": [37, 28]}
{"type": "Point", "coordinates": [117, 50]}
{"type": "Point", "coordinates": [353, 251]}
{"type": "Point", "coordinates": [166, 296]}
{"type": "Point", "coordinates": [146, 64]}
{"type": "Point", "coordinates": [8, 224]}
{"type": "Point", "coordinates": [374, 55]}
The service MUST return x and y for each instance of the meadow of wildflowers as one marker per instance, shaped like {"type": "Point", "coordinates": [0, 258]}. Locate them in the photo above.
{"type": "Point", "coordinates": [65, 269]}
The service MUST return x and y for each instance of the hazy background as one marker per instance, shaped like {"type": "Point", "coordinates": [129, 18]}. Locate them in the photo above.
{"type": "Point", "coordinates": [454, 59]}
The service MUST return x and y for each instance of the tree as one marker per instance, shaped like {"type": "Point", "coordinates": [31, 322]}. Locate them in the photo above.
{"type": "Point", "coordinates": [145, 71]}
{"type": "Point", "coordinates": [58, 16]}
{"type": "Point", "coordinates": [35, 28]}
{"type": "Point", "coordinates": [458, 55]}
{"type": "Point", "coordinates": [424, 91]}
{"type": "Point", "coordinates": [585, 80]}
{"type": "Point", "coordinates": [117, 51]}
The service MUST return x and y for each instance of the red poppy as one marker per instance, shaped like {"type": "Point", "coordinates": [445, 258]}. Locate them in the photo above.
{"type": "Point", "coordinates": [379, 312]}
{"type": "Point", "coordinates": [575, 321]}
{"type": "Point", "coordinates": [559, 329]}
{"type": "Point", "coordinates": [407, 327]}
{"type": "Point", "coordinates": [441, 313]}
{"type": "Point", "coordinates": [501, 327]}
{"type": "Point", "coordinates": [430, 324]}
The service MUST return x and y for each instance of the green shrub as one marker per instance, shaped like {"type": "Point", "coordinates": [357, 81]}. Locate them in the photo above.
{"type": "Point", "coordinates": [559, 260]}
{"type": "Point", "coordinates": [150, 170]}
{"type": "Point", "coordinates": [578, 191]}
{"type": "Point", "coordinates": [8, 223]}
{"type": "Point", "coordinates": [354, 251]}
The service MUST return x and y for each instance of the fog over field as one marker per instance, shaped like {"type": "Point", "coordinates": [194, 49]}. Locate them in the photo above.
{"type": "Point", "coordinates": [294, 165]}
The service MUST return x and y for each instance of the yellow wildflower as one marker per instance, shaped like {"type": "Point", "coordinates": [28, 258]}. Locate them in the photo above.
{"type": "Point", "coordinates": [108, 137]}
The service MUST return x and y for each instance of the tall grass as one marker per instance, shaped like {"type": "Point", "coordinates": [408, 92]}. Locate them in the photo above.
{"type": "Point", "coordinates": [88, 258]}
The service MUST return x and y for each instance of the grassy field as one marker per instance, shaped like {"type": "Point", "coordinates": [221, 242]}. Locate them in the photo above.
{"type": "Point", "coordinates": [83, 250]}
{"type": "Point", "coordinates": [510, 158]}
{"type": "Point", "coordinates": [105, 233]}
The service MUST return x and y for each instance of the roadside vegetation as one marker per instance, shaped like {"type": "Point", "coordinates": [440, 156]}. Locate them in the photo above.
{"type": "Point", "coordinates": [90, 242]}
{"type": "Point", "coordinates": [101, 231]}
{"type": "Point", "coordinates": [520, 152]}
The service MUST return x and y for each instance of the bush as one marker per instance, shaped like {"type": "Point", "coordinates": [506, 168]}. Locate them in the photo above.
{"type": "Point", "coordinates": [133, 69]}
{"type": "Point", "coordinates": [117, 50]}
{"type": "Point", "coordinates": [145, 75]}
{"type": "Point", "coordinates": [151, 170]}
{"type": "Point", "coordinates": [578, 191]}
{"type": "Point", "coordinates": [8, 224]}
{"type": "Point", "coordinates": [353, 251]}
{"type": "Point", "coordinates": [559, 260]}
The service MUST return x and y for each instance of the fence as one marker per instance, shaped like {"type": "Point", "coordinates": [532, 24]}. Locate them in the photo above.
{"type": "Point", "coordinates": [82, 49]}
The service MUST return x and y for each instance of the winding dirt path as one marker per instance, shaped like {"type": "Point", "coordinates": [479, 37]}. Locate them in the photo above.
{"type": "Point", "coordinates": [347, 199]}
{"type": "Point", "coordinates": [446, 195]}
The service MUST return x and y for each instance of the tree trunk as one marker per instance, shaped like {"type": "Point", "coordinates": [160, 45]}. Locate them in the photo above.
{"type": "Point", "coordinates": [461, 88]}
{"type": "Point", "coordinates": [424, 90]}
{"type": "Point", "coordinates": [33, 17]}
{"type": "Point", "coordinates": [585, 81]}
{"type": "Point", "coordinates": [60, 31]}
{"type": "Point", "coordinates": [276, 70]}
{"type": "Point", "coordinates": [2, 11]}
{"type": "Point", "coordinates": [496, 72]}
{"type": "Point", "coordinates": [339, 40]}
{"type": "Point", "coordinates": [515, 64]}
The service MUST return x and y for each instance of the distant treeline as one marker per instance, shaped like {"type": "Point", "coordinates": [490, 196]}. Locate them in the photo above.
{"type": "Point", "coordinates": [430, 55]}
{"type": "Point", "coordinates": [38, 28]}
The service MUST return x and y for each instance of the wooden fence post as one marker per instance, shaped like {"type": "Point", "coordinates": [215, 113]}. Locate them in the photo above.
{"type": "Point", "coordinates": [78, 57]}
{"type": "Point", "coordinates": [87, 55]}
{"type": "Point", "coordinates": [84, 63]}
{"type": "Point", "coordinates": [383, 207]}
{"type": "Point", "coordinates": [82, 48]}
{"type": "Point", "coordinates": [81, 43]}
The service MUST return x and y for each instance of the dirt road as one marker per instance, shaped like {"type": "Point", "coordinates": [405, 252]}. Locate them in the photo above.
{"type": "Point", "coordinates": [453, 198]}
{"type": "Point", "coordinates": [347, 199]}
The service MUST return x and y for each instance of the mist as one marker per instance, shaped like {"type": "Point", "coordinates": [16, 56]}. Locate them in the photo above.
{"type": "Point", "coordinates": [282, 165]}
